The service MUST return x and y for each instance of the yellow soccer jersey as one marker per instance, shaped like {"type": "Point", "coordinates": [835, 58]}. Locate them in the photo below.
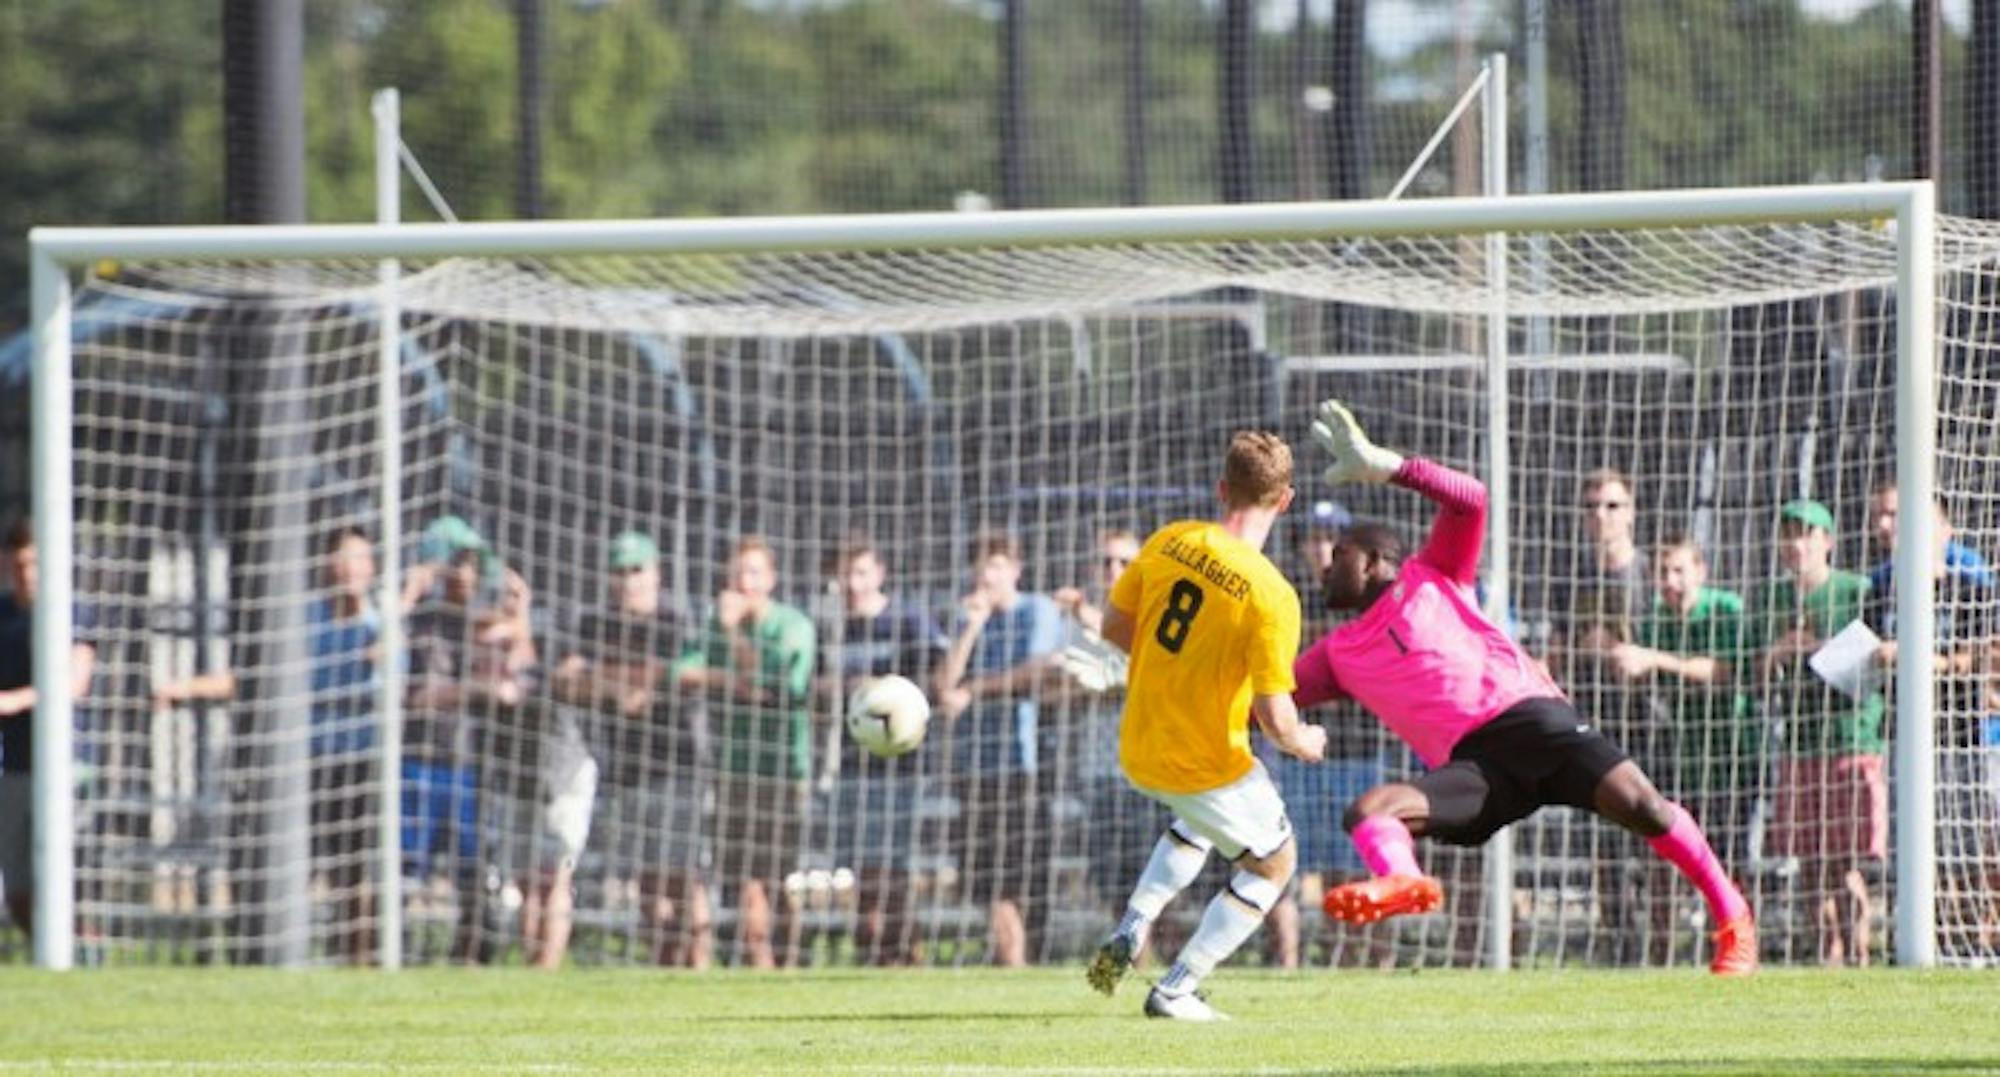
{"type": "Point", "coordinates": [1214, 623]}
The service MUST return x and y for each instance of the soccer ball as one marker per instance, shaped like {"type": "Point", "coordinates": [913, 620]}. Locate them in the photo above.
{"type": "Point", "coordinates": [888, 715]}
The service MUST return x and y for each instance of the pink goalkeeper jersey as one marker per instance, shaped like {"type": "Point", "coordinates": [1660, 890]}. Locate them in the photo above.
{"type": "Point", "coordinates": [1423, 658]}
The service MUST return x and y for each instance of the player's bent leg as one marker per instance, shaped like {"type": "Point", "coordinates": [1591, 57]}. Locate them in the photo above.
{"type": "Point", "coordinates": [1246, 821]}
{"type": "Point", "coordinates": [1384, 823]}
{"type": "Point", "coordinates": [1177, 859]}
{"type": "Point", "coordinates": [1231, 918]}
{"type": "Point", "coordinates": [1400, 800]}
{"type": "Point", "coordinates": [1627, 797]}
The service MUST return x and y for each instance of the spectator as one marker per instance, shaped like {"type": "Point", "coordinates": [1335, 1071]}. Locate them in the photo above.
{"type": "Point", "coordinates": [999, 656]}
{"type": "Point", "coordinates": [1960, 561]}
{"type": "Point", "coordinates": [344, 632]}
{"type": "Point", "coordinates": [615, 665]}
{"type": "Point", "coordinates": [754, 663]}
{"type": "Point", "coordinates": [1608, 589]}
{"type": "Point", "coordinates": [1966, 643]}
{"type": "Point", "coordinates": [470, 651]}
{"type": "Point", "coordinates": [18, 558]}
{"type": "Point", "coordinates": [1123, 826]}
{"type": "Point", "coordinates": [1689, 646]}
{"type": "Point", "coordinates": [875, 817]}
{"type": "Point", "coordinates": [1593, 612]}
{"type": "Point", "coordinates": [538, 779]}
{"type": "Point", "coordinates": [1831, 808]}
{"type": "Point", "coordinates": [1115, 548]}
{"type": "Point", "coordinates": [1686, 648]}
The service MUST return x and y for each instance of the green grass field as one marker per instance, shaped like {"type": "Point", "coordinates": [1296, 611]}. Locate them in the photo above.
{"type": "Point", "coordinates": [988, 1022]}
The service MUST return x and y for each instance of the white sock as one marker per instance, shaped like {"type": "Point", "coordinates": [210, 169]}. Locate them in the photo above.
{"type": "Point", "coordinates": [1177, 858]}
{"type": "Point", "coordinates": [1231, 918]}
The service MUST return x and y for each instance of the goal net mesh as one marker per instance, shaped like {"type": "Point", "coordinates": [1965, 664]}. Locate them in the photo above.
{"type": "Point", "coordinates": [576, 725]}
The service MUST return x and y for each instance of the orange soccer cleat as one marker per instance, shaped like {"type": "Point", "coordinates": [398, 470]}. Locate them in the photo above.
{"type": "Point", "coordinates": [1735, 948]}
{"type": "Point", "coordinates": [1382, 897]}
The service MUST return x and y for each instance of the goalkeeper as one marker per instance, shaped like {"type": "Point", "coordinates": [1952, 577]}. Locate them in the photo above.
{"type": "Point", "coordinates": [1500, 738]}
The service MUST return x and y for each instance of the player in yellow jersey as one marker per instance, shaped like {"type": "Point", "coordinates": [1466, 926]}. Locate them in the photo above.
{"type": "Point", "coordinates": [1212, 628]}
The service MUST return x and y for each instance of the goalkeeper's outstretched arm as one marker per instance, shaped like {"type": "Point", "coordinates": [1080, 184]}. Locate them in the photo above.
{"type": "Point", "coordinates": [1459, 530]}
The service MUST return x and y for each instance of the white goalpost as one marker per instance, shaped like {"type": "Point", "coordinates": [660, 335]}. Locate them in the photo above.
{"type": "Point", "coordinates": [926, 378]}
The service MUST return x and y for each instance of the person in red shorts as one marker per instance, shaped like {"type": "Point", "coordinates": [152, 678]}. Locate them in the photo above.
{"type": "Point", "coordinates": [1831, 803]}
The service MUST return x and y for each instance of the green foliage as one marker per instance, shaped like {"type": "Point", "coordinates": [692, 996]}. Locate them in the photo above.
{"type": "Point", "coordinates": [111, 109]}
{"type": "Point", "coordinates": [93, 96]}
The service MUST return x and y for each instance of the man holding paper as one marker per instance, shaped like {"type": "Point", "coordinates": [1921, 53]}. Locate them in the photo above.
{"type": "Point", "coordinates": [1966, 641]}
{"type": "Point", "coordinates": [1832, 799]}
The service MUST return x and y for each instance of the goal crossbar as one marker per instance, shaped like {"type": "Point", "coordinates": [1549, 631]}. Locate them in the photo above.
{"type": "Point", "coordinates": [1020, 228]}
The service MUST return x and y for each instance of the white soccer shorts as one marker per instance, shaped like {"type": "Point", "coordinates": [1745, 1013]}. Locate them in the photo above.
{"type": "Point", "coordinates": [1247, 815]}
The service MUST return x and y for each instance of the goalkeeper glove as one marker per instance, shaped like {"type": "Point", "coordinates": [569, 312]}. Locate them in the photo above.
{"type": "Point", "coordinates": [1355, 458]}
{"type": "Point", "coordinates": [1094, 665]}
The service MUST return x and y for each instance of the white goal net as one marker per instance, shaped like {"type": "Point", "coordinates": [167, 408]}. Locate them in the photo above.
{"type": "Point", "coordinates": [600, 453]}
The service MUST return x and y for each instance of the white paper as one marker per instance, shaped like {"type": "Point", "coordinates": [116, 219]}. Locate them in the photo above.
{"type": "Point", "coordinates": [1847, 661]}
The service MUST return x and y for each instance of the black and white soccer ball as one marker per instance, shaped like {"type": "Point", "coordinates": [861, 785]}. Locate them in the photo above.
{"type": "Point", "coordinates": [888, 715]}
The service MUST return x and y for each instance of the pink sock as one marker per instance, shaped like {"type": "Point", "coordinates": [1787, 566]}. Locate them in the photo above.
{"type": "Point", "coordinates": [1386, 846]}
{"type": "Point", "coordinates": [1684, 846]}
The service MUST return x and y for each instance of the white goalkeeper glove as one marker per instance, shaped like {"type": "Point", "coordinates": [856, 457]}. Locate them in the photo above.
{"type": "Point", "coordinates": [1095, 666]}
{"type": "Point", "coordinates": [1355, 458]}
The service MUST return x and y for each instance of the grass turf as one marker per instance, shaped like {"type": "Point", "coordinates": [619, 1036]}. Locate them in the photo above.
{"type": "Point", "coordinates": [991, 1022]}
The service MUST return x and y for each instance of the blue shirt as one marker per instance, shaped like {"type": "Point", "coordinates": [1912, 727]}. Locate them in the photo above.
{"type": "Point", "coordinates": [1961, 559]}
{"type": "Point", "coordinates": [999, 733]}
{"type": "Point", "coordinates": [343, 679]}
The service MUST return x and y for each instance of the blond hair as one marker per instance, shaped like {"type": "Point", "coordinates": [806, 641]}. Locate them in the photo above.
{"type": "Point", "coordinates": [1258, 470]}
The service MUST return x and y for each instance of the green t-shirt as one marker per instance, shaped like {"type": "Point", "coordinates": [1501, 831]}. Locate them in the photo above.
{"type": "Point", "coordinates": [1818, 719]}
{"type": "Point", "coordinates": [774, 738]}
{"type": "Point", "coordinates": [1715, 743]}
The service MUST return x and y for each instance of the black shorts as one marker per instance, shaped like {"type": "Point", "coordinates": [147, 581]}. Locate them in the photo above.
{"type": "Point", "coordinates": [1536, 753]}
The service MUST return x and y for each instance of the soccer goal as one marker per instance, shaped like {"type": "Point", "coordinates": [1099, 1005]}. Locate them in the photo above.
{"type": "Point", "coordinates": [344, 510]}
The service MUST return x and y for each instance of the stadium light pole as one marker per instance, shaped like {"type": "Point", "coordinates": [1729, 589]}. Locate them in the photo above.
{"type": "Point", "coordinates": [1135, 102]}
{"type": "Point", "coordinates": [1927, 91]}
{"type": "Point", "coordinates": [1345, 151]}
{"type": "Point", "coordinates": [1236, 150]}
{"type": "Point", "coordinates": [264, 106]}
{"type": "Point", "coordinates": [529, 111]}
{"type": "Point", "coordinates": [1013, 104]}
{"type": "Point", "coordinates": [1982, 112]}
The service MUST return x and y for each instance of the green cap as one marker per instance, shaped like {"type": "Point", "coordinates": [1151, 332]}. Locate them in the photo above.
{"type": "Point", "coordinates": [446, 538]}
{"type": "Point", "coordinates": [634, 549]}
{"type": "Point", "coordinates": [1808, 512]}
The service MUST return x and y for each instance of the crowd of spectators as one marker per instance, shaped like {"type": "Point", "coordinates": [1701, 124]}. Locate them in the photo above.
{"type": "Point", "coordinates": [681, 756]}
